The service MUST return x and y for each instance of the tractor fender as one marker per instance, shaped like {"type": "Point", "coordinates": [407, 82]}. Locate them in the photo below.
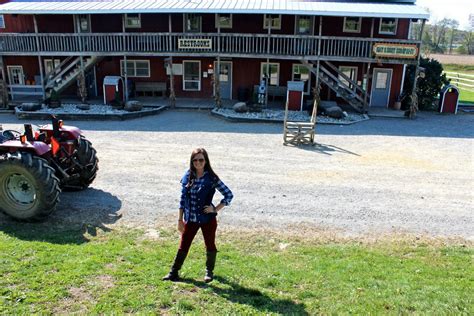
{"type": "Point", "coordinates": [39, 148]}
{"type": "Point", "coordinates": [72, 131]}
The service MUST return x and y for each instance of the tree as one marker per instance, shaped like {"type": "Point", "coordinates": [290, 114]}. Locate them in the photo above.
{"type": "Point", "coordinates": [428, 87]}
{"type": "Point", "coordinates": [435, 36]}
{"type": "Point", "coordinates": [454, 25]}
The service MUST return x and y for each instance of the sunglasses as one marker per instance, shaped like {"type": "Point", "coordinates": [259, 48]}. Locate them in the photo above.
{"type": "Point", "coordinates": [200, 160]}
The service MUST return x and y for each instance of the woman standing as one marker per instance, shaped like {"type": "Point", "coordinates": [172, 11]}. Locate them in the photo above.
{"type": "Point", "coordinates": [196, 210]}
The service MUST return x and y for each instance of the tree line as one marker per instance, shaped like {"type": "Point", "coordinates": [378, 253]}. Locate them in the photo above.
{"type": "Point", "coordinates": [445, 37]}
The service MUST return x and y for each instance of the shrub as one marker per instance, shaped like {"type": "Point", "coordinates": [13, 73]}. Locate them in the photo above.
{"type": "Point", "coordinates": [428, 87]}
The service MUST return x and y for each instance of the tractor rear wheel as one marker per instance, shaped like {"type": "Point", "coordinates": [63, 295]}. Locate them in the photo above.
{"type": "Point", "coordinates": [29, 190]}
{"type": "Point", "coordinates": [87, 157]}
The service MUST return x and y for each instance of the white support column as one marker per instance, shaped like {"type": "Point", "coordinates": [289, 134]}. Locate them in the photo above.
{"type": "Point", "coordinates": [367, 73]}
{"type": "Point", "coordinates": [217, 71]}
{"type": "Point", "coordinates": [268, 60]}
{"type": "Point", "coordinates": [40, 62]}
{"type": "Point", "coordinates": [172, 93]}
{"type": "Point", "coordinates": [319, 50]}
{"type": "Point", "coordinates": [124, 60]}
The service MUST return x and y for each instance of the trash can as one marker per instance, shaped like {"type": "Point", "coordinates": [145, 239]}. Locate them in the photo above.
{"type": "Point", "coordinates": [449, 99]}
{"type": "Point", "coordinates": [111, 86]}
{"type": "Point", "coordinates": [242, 94]}
{"type": "Point", "coordinates": [295, 95]}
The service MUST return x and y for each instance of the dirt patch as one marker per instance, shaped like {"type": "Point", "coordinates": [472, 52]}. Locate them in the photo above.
{"type": "Point", "coordinates": [77, 302]}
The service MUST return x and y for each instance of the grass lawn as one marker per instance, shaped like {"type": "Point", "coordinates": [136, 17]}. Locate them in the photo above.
{"type": "Point", "coordinates": [88, 270]}
{"type": "Point", "coordinates": [465, 95]}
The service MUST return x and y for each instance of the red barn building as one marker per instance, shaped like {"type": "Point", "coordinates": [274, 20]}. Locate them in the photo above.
{"type": "Point", "coordinates": [357, 51]}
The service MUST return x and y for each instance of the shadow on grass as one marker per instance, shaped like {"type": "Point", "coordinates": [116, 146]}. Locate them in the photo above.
{"type": "Point", "coordinates": [78, 214]}
{"type": "Point", "coordinates": [242, 295]}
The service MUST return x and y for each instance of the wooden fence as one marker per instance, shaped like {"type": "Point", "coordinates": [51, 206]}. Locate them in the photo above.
{"type": "Point", "coordinates": [461, 80]}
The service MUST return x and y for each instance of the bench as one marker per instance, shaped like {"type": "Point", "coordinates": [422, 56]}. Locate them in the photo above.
{"type": "Point", "coordinates": [150, 87]}
{"type": "Point", "coordinates": [273, 91]}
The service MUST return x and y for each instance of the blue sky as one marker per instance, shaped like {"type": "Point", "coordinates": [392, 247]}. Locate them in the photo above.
{"type": "Point", "coordinates": [452, 9]}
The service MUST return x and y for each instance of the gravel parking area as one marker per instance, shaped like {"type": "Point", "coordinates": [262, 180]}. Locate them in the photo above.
{"type": "Point", "coordinates": [374, 177]}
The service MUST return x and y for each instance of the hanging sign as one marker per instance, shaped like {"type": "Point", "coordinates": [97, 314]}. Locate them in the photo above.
{"type": "Point", "coordinates": [396, 50]}
{"type": "Point", "coordinates": [194, 43]}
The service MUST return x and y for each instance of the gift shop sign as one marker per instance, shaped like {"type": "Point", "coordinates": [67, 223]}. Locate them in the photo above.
{"type": "Point", "coordinates": [395, 50]}
{"type": "Point", "coordinates": [194, 43]}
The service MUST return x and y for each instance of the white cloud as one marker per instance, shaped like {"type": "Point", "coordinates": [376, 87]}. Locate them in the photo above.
{"type": "Point", "coordinates": [452, 9]}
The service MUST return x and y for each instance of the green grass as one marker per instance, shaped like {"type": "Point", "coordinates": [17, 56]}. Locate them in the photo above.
{"type": "Point", "coordinates": [89, 270]}
{"type": "Point", "coordinates": [465, 96]}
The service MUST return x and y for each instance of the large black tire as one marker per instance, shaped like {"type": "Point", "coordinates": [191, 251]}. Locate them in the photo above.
{"type": "Point", "coordinates": [29, 190]}
{"type": "Point", "coordinates": [87, 157]}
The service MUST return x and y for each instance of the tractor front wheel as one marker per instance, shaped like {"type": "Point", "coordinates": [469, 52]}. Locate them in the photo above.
{"type": "Point", "coordinates": [29, 190]}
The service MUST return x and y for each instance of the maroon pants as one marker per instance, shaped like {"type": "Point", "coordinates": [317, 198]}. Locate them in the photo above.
{"type": "Point", "coordinates": [208, 232]}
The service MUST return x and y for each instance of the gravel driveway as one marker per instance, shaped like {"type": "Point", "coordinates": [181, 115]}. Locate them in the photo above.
{"type": "Point", "coordinates": [375, 177]}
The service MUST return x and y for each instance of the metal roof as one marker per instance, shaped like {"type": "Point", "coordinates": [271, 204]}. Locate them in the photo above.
{"type": "Point", "coordinates": [323, 8]}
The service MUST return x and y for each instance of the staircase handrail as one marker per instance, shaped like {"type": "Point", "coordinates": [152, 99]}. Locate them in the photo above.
{"type": "Point", "coordinates": [343, 75]}
{"type": "Point", "coordinates": [53, 71]}
{"type": "Point", "coordinates": [60, 75]}
{"type": "Point", "coordinates": [345, 87]}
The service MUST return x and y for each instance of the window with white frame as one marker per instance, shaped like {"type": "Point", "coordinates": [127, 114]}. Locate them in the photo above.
{"type": "Point", "coordinates": [83, 23]}
{"type": "Point", "coordinates": [50, 65]}
{"type": "Point", "coordinates": [274, 20]}
{"type": "Point", "coordinates": [136, 68]}
{"type": "Point", "coordinates": [304, 25]}
{"type": "Point", "coordinates": [133, 20]}
{"type": "Point", "coordinates": [192, 23]}
{"type": "Point", "coordinates": [301, 73]}
{"type": "Point", "coordinates": [191, 75]}
{"type": "Point", "coordinates": [224, 21]}
{"type": "Point", "coordinates": [2, 21]}
{"type": "Point", "coordinates": [352, 24]}
{"type": "Point", "coordinates": [15, 75]}
{"type": "Point", "coordinates": [388, 26]}
{"type": "Point", "coordinates": [270, 71]}
{"type": "Point", "coordinates": [349, 71]}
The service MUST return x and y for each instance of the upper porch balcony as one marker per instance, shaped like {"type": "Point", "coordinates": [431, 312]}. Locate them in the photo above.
{"type": "Point", "coordinates": [331, 48]}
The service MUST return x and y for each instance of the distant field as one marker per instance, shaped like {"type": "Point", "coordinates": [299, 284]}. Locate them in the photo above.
{"type": "Point", "coordinates": [453, 59]}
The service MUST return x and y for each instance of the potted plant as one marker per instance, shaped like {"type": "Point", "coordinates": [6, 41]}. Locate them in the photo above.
{"type": "Point", "coordinates": [117, 103]}
{"type": "Point", "coordinates": [54, 100]}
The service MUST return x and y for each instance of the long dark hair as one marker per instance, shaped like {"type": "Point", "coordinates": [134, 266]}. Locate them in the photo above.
{"type": "Point", "coordinates": [207, 166]}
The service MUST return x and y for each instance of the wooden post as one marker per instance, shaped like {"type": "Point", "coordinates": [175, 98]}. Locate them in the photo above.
{"type": "Point", "coordinates": [367, 73]}
{"type": "Point", "coordinates": [39, 57]}
{"type": "Point", "coordinates": [414, 94]}
{"type": "Point", "coordinates": [124, 59]}
{"type": "Point", "coordinates": [172, 93]}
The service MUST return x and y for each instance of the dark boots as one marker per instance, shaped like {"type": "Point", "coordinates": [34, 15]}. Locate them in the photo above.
{"type": "Point", "coordinates": [210, 263]}
{"type": "Point", "coordinates": [178, 262]}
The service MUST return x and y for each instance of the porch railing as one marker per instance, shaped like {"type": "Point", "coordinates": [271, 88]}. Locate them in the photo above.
{"type": "Point", "coordinates": [290, 46]}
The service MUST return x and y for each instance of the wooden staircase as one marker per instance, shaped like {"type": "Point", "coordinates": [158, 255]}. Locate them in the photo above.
{"type": "Point", "coordinates": [66, 73]}
{"type": "Point", "coordinates": [347, 88]}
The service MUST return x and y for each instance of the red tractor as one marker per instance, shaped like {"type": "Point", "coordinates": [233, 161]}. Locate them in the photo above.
{"type": "Point", "coordinates": [37, 165]}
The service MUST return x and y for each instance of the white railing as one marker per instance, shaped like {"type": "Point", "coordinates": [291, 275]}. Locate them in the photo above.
{"type": "Point", "coordinates": [464, 81]}
{"type": "Point", "coordinates": [24, 90]}
{"type": "Point", "coordinates": [167, 43]}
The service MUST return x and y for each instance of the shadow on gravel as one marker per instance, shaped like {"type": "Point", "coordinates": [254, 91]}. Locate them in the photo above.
{"type": "Point", "coordinates": [326, 149]}
{"type": "Point", "coordinates": [78, 214]}
{"type": "Point", "coordinates": [236, 293]}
